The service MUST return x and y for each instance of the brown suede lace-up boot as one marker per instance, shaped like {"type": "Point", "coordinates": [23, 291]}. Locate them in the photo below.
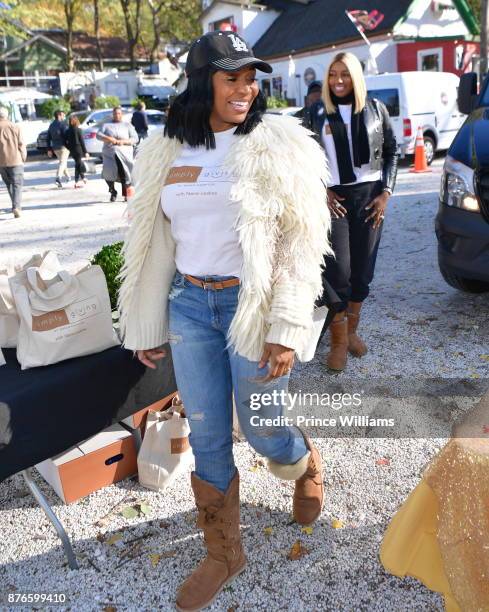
{"type": "Point", "coordinates": [309, 493]}
{"type": "Point", "coordinates": [219, 519]}
{"type": "Point", "coordinates": [338, 352]}
{"type": "Point", "coordinates": [356, 345]}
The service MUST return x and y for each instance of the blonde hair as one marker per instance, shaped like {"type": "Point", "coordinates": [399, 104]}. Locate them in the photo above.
{"type": "Point", "coordinates": [356, 72]}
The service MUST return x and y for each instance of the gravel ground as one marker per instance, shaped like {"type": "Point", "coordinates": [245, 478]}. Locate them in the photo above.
{"type": "Point", "coordinates": [425, 361]}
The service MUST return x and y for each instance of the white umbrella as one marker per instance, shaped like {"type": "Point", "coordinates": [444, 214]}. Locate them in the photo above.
{"type": "Point", "coordinates": [291, 81]}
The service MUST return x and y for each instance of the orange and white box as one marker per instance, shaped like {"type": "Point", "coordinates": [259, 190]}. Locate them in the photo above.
{"type": "Point", "coordinates": [107, 457]}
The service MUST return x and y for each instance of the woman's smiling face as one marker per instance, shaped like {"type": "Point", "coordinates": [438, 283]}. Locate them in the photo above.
{"type": "Point", "coordinates": [234, 93]}
{"type": "Point", "coordinates": [339, 79]}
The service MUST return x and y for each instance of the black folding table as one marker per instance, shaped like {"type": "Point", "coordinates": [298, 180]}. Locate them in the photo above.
{"type": "Point", "coordinates": [44, 411]}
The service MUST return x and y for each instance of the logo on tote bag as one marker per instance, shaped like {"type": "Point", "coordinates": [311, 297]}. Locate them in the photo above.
{"type": "Point", "coordinates": [179, 445]}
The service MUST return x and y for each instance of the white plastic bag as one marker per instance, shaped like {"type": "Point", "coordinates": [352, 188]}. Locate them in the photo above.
{"type": "Point", "coordinates": [165, 450]}
{"type": "Point", "coordinates": [309, 348]}
{"type": "Point", "coordinates": [48, 266]}
{"type": "Point", "coordinates": [67, 316]}
{"type": "Point", "coordinates": [2, 358]}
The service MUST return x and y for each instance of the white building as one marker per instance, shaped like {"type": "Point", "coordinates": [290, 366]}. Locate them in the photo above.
{"type": "Point", "coordinates": [299, 37]}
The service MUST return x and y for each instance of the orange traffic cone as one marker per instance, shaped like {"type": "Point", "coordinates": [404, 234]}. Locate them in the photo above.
{"type": "Point", "coordinates": [420, 164]}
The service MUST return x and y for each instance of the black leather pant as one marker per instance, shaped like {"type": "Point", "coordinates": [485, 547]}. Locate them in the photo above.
{"type": "Point", "coordinates": [355, 244]}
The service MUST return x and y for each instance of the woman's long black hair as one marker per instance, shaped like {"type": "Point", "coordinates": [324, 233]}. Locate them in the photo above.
{"type": "Point", "coordinates": [188, 117]}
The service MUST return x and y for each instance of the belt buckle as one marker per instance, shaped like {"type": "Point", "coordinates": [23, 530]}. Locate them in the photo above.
{"type": "Point", "coordinates": [206, 285]}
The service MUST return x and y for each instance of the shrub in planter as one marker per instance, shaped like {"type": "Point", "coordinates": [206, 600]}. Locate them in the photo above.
{"type": "Point", "coordinates": [109, 258]}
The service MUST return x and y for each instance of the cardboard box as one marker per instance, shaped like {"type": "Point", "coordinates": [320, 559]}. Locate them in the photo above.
{"type": "Point", "coordinates": [105, 458]}
{"type": "Point", "coordinates": [138, 419]}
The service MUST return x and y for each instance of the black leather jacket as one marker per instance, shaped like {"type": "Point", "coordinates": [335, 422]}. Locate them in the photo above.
{"type": "Point", "coordinates": [381, 138]}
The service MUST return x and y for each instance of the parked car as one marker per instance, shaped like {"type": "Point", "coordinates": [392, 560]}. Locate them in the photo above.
{"type": "Point", "coordinates": [86, 119]}
{"type": "Point", "coordinates": [156, 120]}
{"type": "Point", "coordinates": [413, 99]}
{"type": "Point", "coordinates": [462, 222]}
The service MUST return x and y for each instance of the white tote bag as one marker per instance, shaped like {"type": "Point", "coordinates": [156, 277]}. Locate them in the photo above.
{"type": "Point", "coordinates": [65, 317]}
{"type": "Point", "coordinates": [48, 266]}
{"type": "Point", "coordinates": [165, 450]}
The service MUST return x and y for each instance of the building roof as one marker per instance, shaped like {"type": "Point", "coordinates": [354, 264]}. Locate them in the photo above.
{"type": "Point", "coordinates": [85, 46]}
{"type": "Point", "coordinates": [321, 23]}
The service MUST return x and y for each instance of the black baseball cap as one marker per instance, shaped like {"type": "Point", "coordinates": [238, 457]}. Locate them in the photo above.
{"type": "Point", "coordinates": [223, 50]}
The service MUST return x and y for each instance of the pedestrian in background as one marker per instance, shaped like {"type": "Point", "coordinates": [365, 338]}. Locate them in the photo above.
{"type": "Point", "coordinates": [13, 154]}
{"type": "Point", "coordinates": [140, 120]}
{"type": "Point", "coordinates": [56, 146]}
{"type": "Point", "coordinates": [313, 96]}
{"type": "Point", "coordinates": [75, 144]}
{"type": "Point", "coordinates": [361, 149]}
{"type": "Point", "coordinates": [119, 139]}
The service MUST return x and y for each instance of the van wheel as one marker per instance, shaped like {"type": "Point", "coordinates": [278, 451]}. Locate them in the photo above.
{"type": "Point", "coordinates": [429, 149]}
{"type": "Point", "coordinates": [469, 285]}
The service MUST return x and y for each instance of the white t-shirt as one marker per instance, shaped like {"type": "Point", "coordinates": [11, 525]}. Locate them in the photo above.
{"type": "Point", "coordinates": [196, 200]}
{"type": "Point", "coordinates": [364, 174]}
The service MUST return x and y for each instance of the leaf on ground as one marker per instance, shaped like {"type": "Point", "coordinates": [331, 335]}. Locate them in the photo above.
{"type": "Point", "coordinates": [383, 461]}
{"type": "Point", "coordinates": [307, 530]}
{"type": "Point", "coordinates": [164, 525]}
{"type": "Point", "coordinates": [129, 512]}
{"type": "Point", "coordinates": [475, 375]}
{"type": "Point", "coordinates": [114, 538]}
{"type": "Point", "coordinates": [144, 508]}
{"type": "Point", "coordinates": [297, 551]}
{"type": "Point", "coordinates": [109, 609]}
{"type": "Point", "coordinates": [268, 531]}
{"type": "Point", "coordinates": [484, 357]}
{"type": "Point", "coordinates": [337, 524]}
{"type": "Point", "coordinates": [253, 468]}
{"type": "Point", "coordinates": [100, 537]}
{"type": "Point", "coordinates": [155, 559]}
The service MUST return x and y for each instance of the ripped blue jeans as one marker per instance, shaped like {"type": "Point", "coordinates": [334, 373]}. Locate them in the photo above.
{"type": "Point", "coordinates": [207, 375]}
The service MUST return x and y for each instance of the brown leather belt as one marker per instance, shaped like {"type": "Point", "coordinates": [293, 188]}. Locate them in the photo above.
{"type": "Point", "coordinates": [232, 282]}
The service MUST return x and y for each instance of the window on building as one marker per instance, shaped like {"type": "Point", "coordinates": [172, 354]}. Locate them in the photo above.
{"type": "Point", "coordinates": [430, 60]}
{"type": "Point", "coordinates": [390, 97]}
{"type": "Point", "coordinates": [277, 87]}
{"type": "Point", "coordinates": [225, 24]}
{"type": "Point", "coordinates": [266, 87]}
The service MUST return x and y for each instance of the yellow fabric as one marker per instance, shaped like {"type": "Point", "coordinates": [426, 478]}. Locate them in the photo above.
{"type": "Point", "coordinates": [441, 533]}
{"type": "Point", "coordinates": [410, 546]}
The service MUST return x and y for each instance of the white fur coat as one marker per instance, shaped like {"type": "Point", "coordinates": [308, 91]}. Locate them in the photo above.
{"type": "Point", "coordinates": [283, 227]}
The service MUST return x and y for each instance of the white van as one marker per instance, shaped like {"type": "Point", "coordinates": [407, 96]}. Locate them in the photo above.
{"type": "Point", "coordinates": [413, 99]}
{"type": "Point", "coordinates": [21, 103]}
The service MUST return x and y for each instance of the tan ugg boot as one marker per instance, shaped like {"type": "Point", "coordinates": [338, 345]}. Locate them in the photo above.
{"type": "Point", "coordinates": [338, 351]}
{"type": "Point", "coordinates": [308, 476]}
{"type": "Point", "coordinates": [356, 345]}
{"type": "Point", "coordinates": [219, 519]}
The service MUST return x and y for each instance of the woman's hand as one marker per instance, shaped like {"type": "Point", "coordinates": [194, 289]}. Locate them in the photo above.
{"type": "Point", "coordinates": [148, 357]}
{"type": "Point", "coordinates": [280, 359]}
{"type": "Point", "coordinates": [335, 208]}
{"type": "Point", "coordinates": [379, 204]}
